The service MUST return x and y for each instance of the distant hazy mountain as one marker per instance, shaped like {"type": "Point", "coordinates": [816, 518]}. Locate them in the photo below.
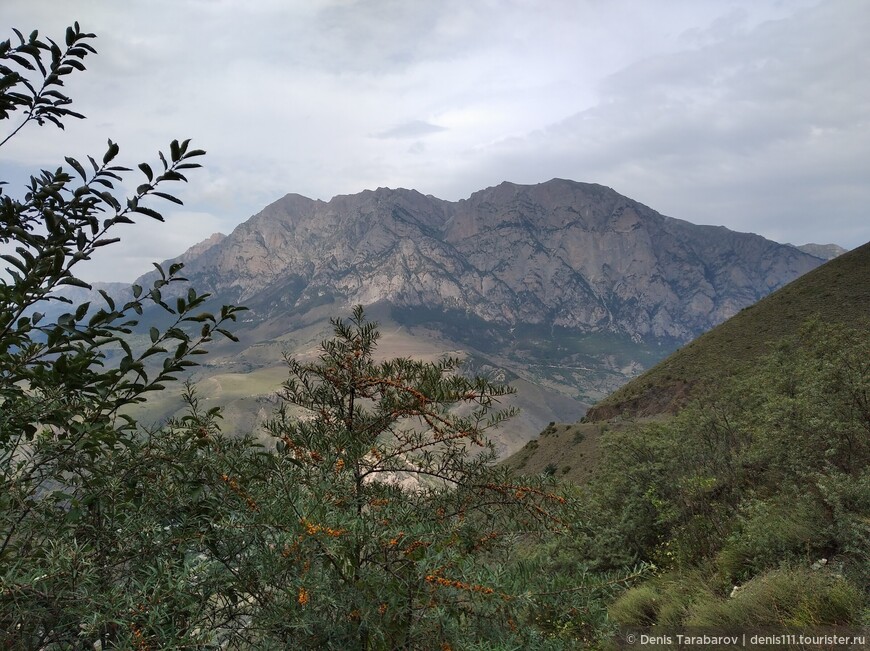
{"type": "Point", "coordinates": [823, 251]}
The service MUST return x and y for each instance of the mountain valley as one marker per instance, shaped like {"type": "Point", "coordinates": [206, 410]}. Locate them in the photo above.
{"type": "Point", "coordinates": [566, 290]}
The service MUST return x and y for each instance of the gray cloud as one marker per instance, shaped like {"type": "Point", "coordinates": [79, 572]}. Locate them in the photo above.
{"type": "Point", "coordinates": [747, 113]}
{"type": "Point", "coordinates": [766, 132]}
{"type": "Point", "coordinates": [412, 129]}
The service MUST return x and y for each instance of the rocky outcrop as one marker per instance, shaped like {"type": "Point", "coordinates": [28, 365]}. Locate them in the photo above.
{"type": "Point", "coordinates": [575, 255]}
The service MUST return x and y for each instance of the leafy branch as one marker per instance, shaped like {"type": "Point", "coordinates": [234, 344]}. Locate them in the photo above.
{"type": "Point", "coordinates": [43, 102]}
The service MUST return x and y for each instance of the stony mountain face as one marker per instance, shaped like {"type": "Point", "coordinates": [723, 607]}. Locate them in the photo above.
{"type": "Point", "coordinates": [836, 293]}
{"type": "Point", "coordinates": [563, 290]}
{"type": "Point", "coordinates": [573, 255]}
{"type": "Point", "coordinates": [823, 251]}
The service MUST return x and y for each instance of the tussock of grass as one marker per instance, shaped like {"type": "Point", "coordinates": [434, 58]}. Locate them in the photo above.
{"type": "Point", "coordinates": [665, 600]}
{"type": "Point", "coordinates": [796, 597]}
{"type": "Point", "coordinates": [638, 607]}
{"type": "Point", "coordinates": [785, 597]}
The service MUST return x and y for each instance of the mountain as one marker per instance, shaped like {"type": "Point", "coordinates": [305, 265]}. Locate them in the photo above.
{"type": "Point", "coordinates": [563, 254]}
{"type": "Point", "coordinates": [823, 251]}
{"type": "Point", "coordinates": [565, 289]}
{"type": "Point", "coordinates": [837, 292]}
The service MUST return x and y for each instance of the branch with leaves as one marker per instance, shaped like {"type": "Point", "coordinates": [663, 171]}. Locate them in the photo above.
{"type": "Point", "coordinates": [70, 528]}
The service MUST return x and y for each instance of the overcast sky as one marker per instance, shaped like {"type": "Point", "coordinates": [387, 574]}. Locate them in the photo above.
{"type": "Point", "coordinates": [753, 114]}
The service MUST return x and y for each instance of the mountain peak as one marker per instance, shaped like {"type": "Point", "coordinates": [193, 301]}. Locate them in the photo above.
{"type": "Point", "coordinates": [563, 253]}
{"type": "Point", "coordinates": [200, 248]}
{"type": "Point", "coordinates": [823, 251]}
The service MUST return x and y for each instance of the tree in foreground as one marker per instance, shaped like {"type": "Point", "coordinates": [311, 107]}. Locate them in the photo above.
{"type": "Point", "coordinates": [378, 523]}
{"type": "Point", "coordinates": [389, 526]}
{"type": "Point", "coordinates": [86, 543]}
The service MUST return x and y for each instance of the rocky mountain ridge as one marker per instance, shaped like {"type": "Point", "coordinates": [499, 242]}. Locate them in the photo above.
{"type": "Point", "coordinates": [837, 292]}
{"type": "Point", "coordinates": [835, 295]}
{"type": "Point", "coordinates": [559, 254]}
{"type": "Point", "coordinates": [563, 290]}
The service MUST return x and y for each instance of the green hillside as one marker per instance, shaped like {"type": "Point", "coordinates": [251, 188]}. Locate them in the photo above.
{"type": "Point", "coordinates": [753, 501]}
{"type": "Point", "coordinates": [838, 292]}
{"type": "Point", "coordinates": [738, 469]}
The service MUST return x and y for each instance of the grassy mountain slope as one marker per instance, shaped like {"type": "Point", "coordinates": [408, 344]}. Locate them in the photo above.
{"type": "Point", "coordinates": [836, 292]}
{"type": "Point", "coordinates": [739, 467]}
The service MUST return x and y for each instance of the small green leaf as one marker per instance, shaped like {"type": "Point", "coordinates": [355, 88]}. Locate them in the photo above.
{"type": "Point", "coordinates": [76, 166]}
{"type": "Point", "coordinates": [81, 311]}
{"type": "Point", "coordinates": [148, 212]}
{"type": "Point", "coordinates": [168, 197]}
{"type": "Point", "coordinates": [229, 335]}
{"type": "Point", "coordinates": [111, 152]}
{"type": "Point", "coordinates": [146, 168]}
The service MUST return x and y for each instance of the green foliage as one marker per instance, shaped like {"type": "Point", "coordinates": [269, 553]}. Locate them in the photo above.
{"type": "Point", "coordinates": [133, 558]}
{"type": "Point", "coordinates": [769, 472]}
{"type": "Point", "coordinates": [568, 599]}
{"type": "Point", "coordinates": [40, 98]}
{"type": "Point", "coordinates": [769, 531]}
{"type": "Point", "coordinates": [389, 522]}
{"type": "Point", "coordinates": [96, 516]}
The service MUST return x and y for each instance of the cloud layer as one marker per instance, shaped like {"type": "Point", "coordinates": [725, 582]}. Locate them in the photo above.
{"type": "Point", "coordinates": [748, 113]}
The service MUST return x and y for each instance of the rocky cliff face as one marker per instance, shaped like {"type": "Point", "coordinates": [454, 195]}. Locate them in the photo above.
{"type": "Point", "coordinates": [562, 253]}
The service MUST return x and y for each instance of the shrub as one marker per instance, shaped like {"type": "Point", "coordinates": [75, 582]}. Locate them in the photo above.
{"type": "Point", "coordinates": [783, 528]}
{"type": "Point", "coordinates": [390, 525]}
{"type": "Point", "coordinates": [92, 548]}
